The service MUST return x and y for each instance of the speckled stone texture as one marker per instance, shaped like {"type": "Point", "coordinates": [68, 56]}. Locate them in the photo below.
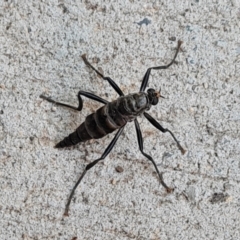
{"type": "Point", "coordinates": [41, 43]}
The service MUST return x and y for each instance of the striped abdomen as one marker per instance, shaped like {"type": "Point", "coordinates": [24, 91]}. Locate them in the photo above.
{"type": "Point", "coordinates": [108, 118]}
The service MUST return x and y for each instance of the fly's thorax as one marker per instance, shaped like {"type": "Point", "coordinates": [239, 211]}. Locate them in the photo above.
{"type": "Point", "coordinates": [133, 104]}
{"type": "Point", "coordinates": [142, 101]}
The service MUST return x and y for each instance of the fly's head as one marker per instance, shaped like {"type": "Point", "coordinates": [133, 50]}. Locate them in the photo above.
{"type": "Point", "coordinates": [154, 96]}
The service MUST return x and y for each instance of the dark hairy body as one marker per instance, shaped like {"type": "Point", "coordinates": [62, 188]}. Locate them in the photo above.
{"type": "Point", "coordinates": [115, 115]}
{"type": "Point", "coordinates": [108, 118]}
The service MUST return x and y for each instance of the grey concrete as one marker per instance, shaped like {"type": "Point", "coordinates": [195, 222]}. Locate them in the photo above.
{"type": "Point", "coordinates": [41, 43]}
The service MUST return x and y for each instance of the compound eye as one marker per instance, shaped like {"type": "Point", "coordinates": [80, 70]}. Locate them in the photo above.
{"type": "Point", "coordinates": [155, 101]}
{"type": "Point", "coordinates": [153, 97]}
{"type": "Point", "coordinates": [150, 91]}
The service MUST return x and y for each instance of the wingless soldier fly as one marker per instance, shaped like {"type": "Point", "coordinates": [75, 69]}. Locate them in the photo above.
{"type": "Point", "coordinates": [115, 115]}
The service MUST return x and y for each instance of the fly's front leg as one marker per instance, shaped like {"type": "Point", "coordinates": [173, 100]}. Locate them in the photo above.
{"type": "Point", "coordinates": [164, 130]}
{"type": "Point", "coordinates": [147, 74]}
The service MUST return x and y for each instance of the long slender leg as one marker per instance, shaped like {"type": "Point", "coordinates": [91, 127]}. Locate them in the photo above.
{"type": "Point", "coordinates": [140, 143]}
{"type": "Point", "coordinates": [93, 97]}
{"type": "Point", "coordinates": [111, 82]}
{"type": "Point", "coordinates": [90, 165]}
{"type": "Point", "coordinates": [159, 127]}
{"type": "Point", "coordinates": [147, 74]}
{"type": "Point", "coordinates": [80, 105]}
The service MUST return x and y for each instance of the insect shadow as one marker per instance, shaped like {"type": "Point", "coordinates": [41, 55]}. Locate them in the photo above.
{"type": "Point", "coordinates": [115, 115]}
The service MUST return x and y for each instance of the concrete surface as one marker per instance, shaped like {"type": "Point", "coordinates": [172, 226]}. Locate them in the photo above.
{"type": "Point", "coordinates": [41, 46]}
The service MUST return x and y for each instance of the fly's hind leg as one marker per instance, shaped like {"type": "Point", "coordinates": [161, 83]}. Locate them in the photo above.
{"type": "Point", "coordinates": [90, 165]}
{"type": "Point", "coordinates": [80, 101]}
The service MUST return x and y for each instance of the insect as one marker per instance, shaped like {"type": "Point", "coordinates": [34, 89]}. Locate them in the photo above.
{"type": "Point", "coordinates": [115, 115]}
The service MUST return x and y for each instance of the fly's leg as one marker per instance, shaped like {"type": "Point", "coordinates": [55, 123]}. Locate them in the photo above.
{"type": "Point", "coordinates": [147, 74]}
{"type": "Point", "coordinates": [80, 104]}
{"type": "Point", "coordinates": [140, 143]}
{"type": "Point", "coordinates": [159, 127]}
{"type": "Point", "coordinates": [90, 165]}
{"type": "Point", "coordinates": [111, 82]}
